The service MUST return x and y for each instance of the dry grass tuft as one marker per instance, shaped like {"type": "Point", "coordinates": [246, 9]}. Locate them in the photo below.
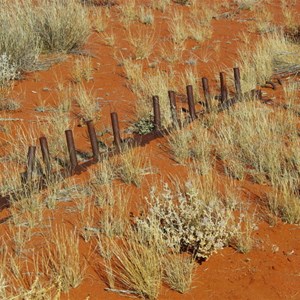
{"type": "Point", "coordinates": [161, 5]}
{"type": "Point", "coordinates": [143, 42]}
{"type": "Point", "coordinates": [128, 12]}
{"type": "Point", "coordinates": [19, 41]}
{"type": "Point", "coordinates": [89, 106]}
{"type": "Point", "coordinates": [100, 20]}
{"type": "Point", "coordinates": [138, 267]}
{"type": "Point", "coordinates": [114, 217]}
{"type": "Point", "coordinates": [145, 15]}
{"type": "Point", "coordinates": [178, 28]}
{"type": "Point", "coordinates": [28, 28]}
{"type": "Point", "coordinates": [62, 26]}
{"type": "Point", "coordinates": [258, 65]}
{"type": "Point", "coordinates": [103, 173]}
{"type": "Point", "coordinates": [149, 84]}
{"type": "Point", "coordinates": [242, 239]}
{"type": "Point", "coordinates": [82, 70]}
{"type": "Point", "coordinates": [195, 143]}
{"type": "Point", "coordinates": [61, 260]}
{"type": "Point", "coordinates": [285, 202]}
{"type": "Point", "coordinates": [132, 166]}
{"type": "Point", "coordinates": [178, 272]}
{"type": "Point", "coordinates": [54, 129]}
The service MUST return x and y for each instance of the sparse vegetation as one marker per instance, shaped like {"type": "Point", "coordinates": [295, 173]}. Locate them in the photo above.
{"type": "Point", "coordinates": [89, 107]}
{"type": "Point", "coordinates": [61, 26]}
{"type": "Point", "coordinates": [143, 42]}
{"type": "Point", "coordinates": [272, 53]}
{"type": "Point", "coordinates": [132, 166]}
{"type": "Point", "coordinates": [29, 28]}
{"type": "Point", "coordinates": [82, 70]}
{"type": "Point", "coordinates": [158, 212]}
{"type": "Point", "coordinates": [62, 261]}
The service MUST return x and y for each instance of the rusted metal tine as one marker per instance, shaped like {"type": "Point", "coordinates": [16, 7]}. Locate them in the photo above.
{"type": "Point", "coordinates": [191, 103]}
{"type": "Point", "coordinates": [237, 82]}
{"type": "Point", "coordinates": [272, 84]}
{"type": "Point", "coordinates": [206, 94]}
{"type": "Point", "coordinates": [30, 162]}
{"type": "Point", "coordinates": [45, 154]}
{"type": "Point", "coordinates": [93, 139]}
{"type": "Point", "coordinates": [259, 94]}
{"type": "Point", "coordinates": [255, 94]}
{"type": "Point", "coordinates": [116, 130]}
{"type": "Point", "coordinates": [279, 81]}
{"type": "Point", "coordinates": [173, 107]}
{"type": "Point", "coordinates": [156, 112]}
{"type": "Point", "coordinates": [224, 92]}
{"type": "Point", "coordinates": [72, 150]}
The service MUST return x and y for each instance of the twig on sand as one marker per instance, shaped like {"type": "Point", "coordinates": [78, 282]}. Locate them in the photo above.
{"type": "Point", "coordinates": [127, 292]}
{"type": "Point", "coordinates": [11, 119]}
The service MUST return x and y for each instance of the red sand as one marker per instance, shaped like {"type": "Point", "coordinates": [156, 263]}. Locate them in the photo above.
{"type": "Point", "coordinates": [272, 269]}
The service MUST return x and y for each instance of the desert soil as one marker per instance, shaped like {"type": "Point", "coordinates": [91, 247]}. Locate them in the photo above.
{"type": "Point", "coordinates": [271, 270]}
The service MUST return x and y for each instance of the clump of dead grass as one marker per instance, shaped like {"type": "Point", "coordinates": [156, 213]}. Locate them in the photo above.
{"type": "Point", "coordinates": [82, 70]}
{"type": "Point", "coordinates": [61, 26]}
{"type": "Point", "coordinates": [178, 272]}
{"type": "Point", "coordinates": [31, 27]}
{"type": "Point", "coordinates": [146, 86]}
{"type": "Point", "coordinates": [161, 5]}
{"type": "Point", "coordinates": [54, 127]}
{"type": "Point", "coordinates": [138, 267]}
{"type": "Point", "coordinates": [61, 260]}
{"type": "Point", "coordinates": [142, 42]}
{"type": "Point", "coordinates": [132, 166]}
{"type": "Point", "coordinates": [269, 56]}
{"type": "Point", "coordinates": [196, 144]}
{"type": "Point", "coordinates": [89, 106]}
{"type": "Point", "coordinates": [284, 201]}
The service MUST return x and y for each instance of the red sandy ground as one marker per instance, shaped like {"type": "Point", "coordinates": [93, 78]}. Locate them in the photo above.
{"type": "Point", "coordinates": [272, 269]}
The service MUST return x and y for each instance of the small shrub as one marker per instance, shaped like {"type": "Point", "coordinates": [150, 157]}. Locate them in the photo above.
{"type": "Point", "coordinates": [142, 126]}
{"type": "Point", "coordinates": [8, 70]}
{"type": "Point", "coordinates": [188, 222]}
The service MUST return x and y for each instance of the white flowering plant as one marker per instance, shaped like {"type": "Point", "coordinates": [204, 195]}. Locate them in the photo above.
{"type": "Point", "coordinates": [187, 222]}
{"type": "Point", "coordinates": [8, 70]}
